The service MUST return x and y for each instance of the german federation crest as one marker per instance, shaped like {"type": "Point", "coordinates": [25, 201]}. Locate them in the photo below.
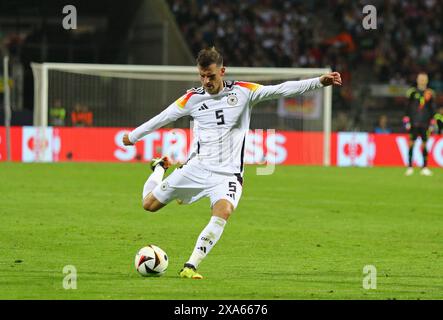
{"type": "Point", "coordinates": [232, 99]}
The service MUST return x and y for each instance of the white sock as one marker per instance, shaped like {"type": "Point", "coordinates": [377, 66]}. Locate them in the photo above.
{"type": "Point", "coordinates": [154, 179]}
{"type": "Point", "coordinates": [207, 240]}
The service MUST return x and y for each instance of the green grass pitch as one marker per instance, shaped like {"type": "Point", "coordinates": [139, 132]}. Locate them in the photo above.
{"type": "Point", "coordinates": [301, 233]}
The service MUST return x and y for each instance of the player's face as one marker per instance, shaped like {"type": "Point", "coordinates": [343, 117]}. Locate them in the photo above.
{"type": "Point", "coordinates": [212, 78]}
{"type": "Point", "coordinates": [422, 81]}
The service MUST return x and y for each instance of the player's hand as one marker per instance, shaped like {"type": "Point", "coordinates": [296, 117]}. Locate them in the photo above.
{"type": "Point", "coordinates": [126, 141]}
{"type": "Point", "coordinates": [333, 78]}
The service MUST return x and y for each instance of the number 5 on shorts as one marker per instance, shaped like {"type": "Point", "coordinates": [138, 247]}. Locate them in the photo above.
{"type": "Point", "coordinates": [232, 187]}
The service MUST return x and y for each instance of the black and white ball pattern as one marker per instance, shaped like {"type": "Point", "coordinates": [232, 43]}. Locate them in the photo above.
{"type": "Point", "coordinates": [151, 261]}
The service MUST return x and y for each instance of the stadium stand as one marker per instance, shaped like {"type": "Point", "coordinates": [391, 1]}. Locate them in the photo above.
{"type": "Point", "coordinates": [307, 34]}
{"type": "Point", "coordinates": [285, 33]}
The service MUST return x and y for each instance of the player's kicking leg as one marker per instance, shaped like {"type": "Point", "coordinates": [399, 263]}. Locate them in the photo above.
{"type": "Point", "coordinates": [159, 166]}
{"type": "Point", "coordinates": [224, 196]}
{"type": "Point", "coordinates": [207, 239]}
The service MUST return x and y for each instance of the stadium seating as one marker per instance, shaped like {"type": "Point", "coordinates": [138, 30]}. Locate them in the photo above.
{"type": "Point", "coordinates": [308, 34]}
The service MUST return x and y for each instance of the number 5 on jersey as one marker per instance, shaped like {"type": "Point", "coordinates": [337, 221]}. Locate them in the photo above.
{"type": "Point", "coordinates": [220, 117]}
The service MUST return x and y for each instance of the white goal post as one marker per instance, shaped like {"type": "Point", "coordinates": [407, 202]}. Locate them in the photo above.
{"type": "Point", "coordinates": [87, 79]}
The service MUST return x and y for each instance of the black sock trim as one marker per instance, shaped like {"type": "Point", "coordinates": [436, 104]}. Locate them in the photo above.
{"type": "Point", "coordinates": [188, 265]}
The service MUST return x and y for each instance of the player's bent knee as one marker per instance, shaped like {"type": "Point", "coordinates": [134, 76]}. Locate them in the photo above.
{"type": "Point", "coordinates": [222, 209]}
{"type": "Point", "coordinates": [222, 214]}
{"type": "Point", "coordinates": [151, 204]}
{"type": "Point", "coordinates": [150, 208]}
{"type": "Point", "coordinates": [225, 214]}
{"type": "Point", "coordinates": [148, 205]}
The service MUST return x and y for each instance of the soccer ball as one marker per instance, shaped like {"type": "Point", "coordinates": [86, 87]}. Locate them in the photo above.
{"type": "Point", "coordinates": [151, 261]}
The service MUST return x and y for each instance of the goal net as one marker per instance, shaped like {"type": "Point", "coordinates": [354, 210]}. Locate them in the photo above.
{"type": "Point", "coordinates": [128, 95]}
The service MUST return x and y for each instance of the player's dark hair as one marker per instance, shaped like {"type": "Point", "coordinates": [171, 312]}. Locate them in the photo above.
{"type": "Point", "coordinates": [206, 57]}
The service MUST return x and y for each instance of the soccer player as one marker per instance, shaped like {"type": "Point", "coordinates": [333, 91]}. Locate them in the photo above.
{"type": "Point", "coordinates": [419, 119]}
{"type": "Point", "coordinates": [222, 111]}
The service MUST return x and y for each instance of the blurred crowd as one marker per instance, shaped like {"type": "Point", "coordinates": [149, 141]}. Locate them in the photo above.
{"type": "Point", "coordinates": [409, 38]}
{"type": "Point", "coordinates": [299, 33]}
{"type": "Point", "coordinates": [253, 32]}
{"type": "Point", "coordinates": [320, 33]}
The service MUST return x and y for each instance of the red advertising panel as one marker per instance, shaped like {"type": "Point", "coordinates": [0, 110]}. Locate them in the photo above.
{"type": "Point", "coordinates": [303, 148]}
{"type": "Point", "coordinates": [3, 144]}
{"type": "Point", "coordinates": [30, 144]}
{"type": "Point", "coordinates": [105, 144]}
{"type": "Point", "coordinates": [368, 149]}
{"type": "Point", "coordinates": [392, 150]}
{"type": "Point", "coordinates": [16, 144]}
{"type": "Point", "coordinates": [334, 149]}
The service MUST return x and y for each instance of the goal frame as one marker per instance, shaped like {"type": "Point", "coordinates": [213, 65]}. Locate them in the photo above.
{"type": "Point", "coordinates": [41, 71]}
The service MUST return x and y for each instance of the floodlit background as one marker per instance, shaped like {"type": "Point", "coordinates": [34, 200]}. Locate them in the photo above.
{"type": "Point", "coordinates": [79, 75]}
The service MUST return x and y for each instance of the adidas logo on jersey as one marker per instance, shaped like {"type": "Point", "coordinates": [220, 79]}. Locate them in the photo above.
{"type": "Point", "coordinates": [203, 107]}
{"type": "Point", "coordinates": [202, 249]}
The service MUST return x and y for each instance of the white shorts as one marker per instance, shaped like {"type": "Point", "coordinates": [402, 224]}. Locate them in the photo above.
{"type": "Point", "coordinates": [192, 182]}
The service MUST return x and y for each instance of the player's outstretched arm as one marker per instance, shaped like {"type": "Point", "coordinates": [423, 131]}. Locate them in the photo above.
{"type": "Point", "coordinates": [292, 88]}
{"type": "Point", "coordinates": [170, 114]}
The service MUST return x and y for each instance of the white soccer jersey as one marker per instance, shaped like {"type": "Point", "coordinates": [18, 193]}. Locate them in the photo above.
{"type": "Point", "coordinates": [222, 119]}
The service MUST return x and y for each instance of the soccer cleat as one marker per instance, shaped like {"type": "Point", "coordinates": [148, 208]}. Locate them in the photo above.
{"type": "Point", "coordinates": [426, 172]}
{"type": "Point", "coordinates": [409, 172]}
{"type": "Point", "coordinates": [189, 272]}
{"type": "Point", "coordinates": [164, 162]}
